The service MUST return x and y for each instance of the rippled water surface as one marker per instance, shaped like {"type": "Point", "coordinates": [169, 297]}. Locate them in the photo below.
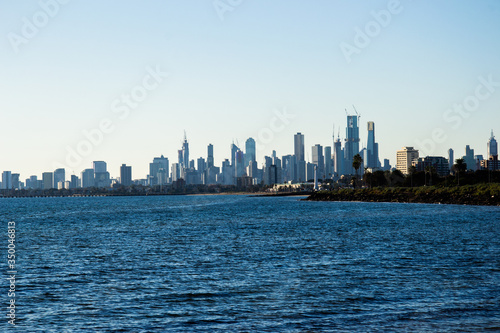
{"type": "Point", "coordinates": [243, 264]}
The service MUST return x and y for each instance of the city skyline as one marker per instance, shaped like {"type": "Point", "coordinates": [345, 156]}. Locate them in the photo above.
{"type": "Point", "coordinates": [238, 160]}
{"type": "Point", "coordinates": [140, 74]}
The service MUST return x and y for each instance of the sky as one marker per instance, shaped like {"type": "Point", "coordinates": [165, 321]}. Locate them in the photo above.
{"type": "Point", "coordinates": [121, 81]}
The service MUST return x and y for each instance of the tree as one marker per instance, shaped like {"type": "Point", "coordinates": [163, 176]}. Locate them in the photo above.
{"type": "Point", "coordinates": [356, 163]}
{"type": "Point", "coordinates": [430, 169]}
{"type": "Point", "coordinates": [412, 170]}
{"type": "Point", "coordinates": [458, 167]}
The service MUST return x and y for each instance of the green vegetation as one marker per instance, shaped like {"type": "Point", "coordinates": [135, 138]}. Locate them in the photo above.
{"type": "Point", "coordinates": [481, 194]}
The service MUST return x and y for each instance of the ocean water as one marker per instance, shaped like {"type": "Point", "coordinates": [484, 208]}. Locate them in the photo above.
{"type": "Point", "coordinates": [246, 264]}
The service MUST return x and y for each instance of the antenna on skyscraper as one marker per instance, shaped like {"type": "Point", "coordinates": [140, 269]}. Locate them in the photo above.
{"type": "Point", "coordinates": [347, 113]}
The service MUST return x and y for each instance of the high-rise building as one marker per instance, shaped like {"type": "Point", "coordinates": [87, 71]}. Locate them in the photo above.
{"type": "Point", "coordinates": [100, 166]}
{"type": "Point", "coordinates": [299, 147]}
{"type": "Point", "coordinates": [234, 149]}
{"type": "Point", "coordinates": [469, 158]}
{"type": "Point", "coordinates": [48, 180]}
{"type": "Point", "coordinates": [301, 171]}
{"type": "Point", "coordinates": [34, 182]}
{"type": "Point", "coordinates": [88, 178]}
{"type": "Point", "coordinates": [126, 175]}
{"type": "Point", "coordinates": [210, 156]}
{"type": "Point", "coordinates": [59, 177]}
{"type": "Point", "coordinates": [180, 157]}
{"type": "Point", "coordinates": [387, 166]}
{"type": "Point", "coordinates": [75, 182]}
{"type": "Point", "coordinates": [185, 152]}
{"type": "Point", "coordinates": [159, 164]}
{"type": "Point", "coordinates": [176, 172]}
{"type": "Point", "coordinates": [328, 163]}
{"type": "Point", "coordinates": [101, 174]}
{"type": "Point", "coordinates": [16, 184]}
{"type": "Point", "coordinates": [492, 146]}
{"type": "Point", "coordinates": [440, 165]}
{"type": "Point", "coordinates": [372, 159]}
{"type": "Point", "coordinates": [319, 160]}
{"type": "Point", "coordinates": [351, 147]}
{"type": "Point", "coordinates": [451, 161]}
{"type": "Point", "coordinates": [338, 156]}
{"type": "Point", "coordinates": [404, 159]}
{"type": "Point", "coordinates": [239, 164]}
{"type": "Point", "coordinates": [227, 173]}
{"type": "Point", "coordinates": [250, 151]}
{"type": "Point", "coordinates": [7, 180]}
{"type": "Point", "coordinates": [201, 165]}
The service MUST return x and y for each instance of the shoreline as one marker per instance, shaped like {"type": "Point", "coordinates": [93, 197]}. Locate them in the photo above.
{"type": "Point", "coordinates": [472, 195]}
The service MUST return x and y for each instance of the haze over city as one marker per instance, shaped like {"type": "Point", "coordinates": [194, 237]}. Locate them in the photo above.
{"type": "Point", "coordinates": [411, 67]}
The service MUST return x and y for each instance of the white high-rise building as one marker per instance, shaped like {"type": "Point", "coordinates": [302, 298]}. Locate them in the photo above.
{"type": "Point", "coordinates": [404, 159]}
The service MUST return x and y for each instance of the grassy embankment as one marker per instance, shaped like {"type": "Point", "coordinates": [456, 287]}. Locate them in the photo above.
{"type": "Point", "coordinates": [481, 194]}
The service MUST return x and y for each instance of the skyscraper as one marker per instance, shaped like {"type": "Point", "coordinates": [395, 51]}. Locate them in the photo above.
{"type": "Point", "coordinates": [451, 161]}
{"type": "Point", "coordinates": [88, 178]}
{"type": "Point", "coordinates": [59, 176]}
{"type": "Point", "coordinates": [101, 174]}
{"type": "Point", "coordinates": [469, 158]}
{"type": "Point", "coordinates": [318, 160]}
{"type": "Point", "coordinates": [176, 172]}
{"type": "Point", "coordinates": [126, 175]}
{"type": "Point", "coordinates": [7, 180]}
{"type": "Point", "coordinates": [249, 151]}
{"type": "Point", "coordinates": [234, 149]}
{"type": "Point", "coordinates": [492, 146]}
{"type": "Point", "coordinates": [75, 182]}
{"type": "Point", "coordinates": [48, 180]}
{"type": "Point", "coordinates": [239, 164]}
{"type": "Point", "coordinates": [159, 165]}
{"type": "Point", "coordinates": [299, 153]}
{"type": "Point", "coordinates": [185, 152]}
{"type": "Point", "coordinates": [338, 157]}
{"type": "Point", "coordinates": [210, 157]}
{"type": "Point", "coordinates": [372, 160]}
{"type": "Point", "coordinates": [299, 147]}
{"type": "Point", "coordinates": [328, 163]}
{"type": "Point", "coordinates": [351, 147]}
{"type": "Point", "coordinates": [99, 166]}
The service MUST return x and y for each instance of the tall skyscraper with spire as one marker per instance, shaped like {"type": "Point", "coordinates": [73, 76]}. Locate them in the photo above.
{"type": "Point", "coordinates": [185, 152]}
{"type": "Point", "coordinates": [492, 146]}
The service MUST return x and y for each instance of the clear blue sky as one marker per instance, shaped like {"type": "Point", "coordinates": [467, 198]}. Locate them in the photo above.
{"type": "Point", "coordinates": [227, 77]}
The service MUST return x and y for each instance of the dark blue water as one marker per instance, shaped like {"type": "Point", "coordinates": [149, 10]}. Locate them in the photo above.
{"type": "Point", "coordinates": [242, 264]}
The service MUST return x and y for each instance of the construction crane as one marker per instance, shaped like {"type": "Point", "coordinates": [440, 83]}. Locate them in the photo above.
{"type": "Point", "coordinates": [358, 114]}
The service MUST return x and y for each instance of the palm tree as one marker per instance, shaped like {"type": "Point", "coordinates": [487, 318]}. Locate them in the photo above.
{"type": "Point", "coordinates": [430, 169]}
{"type": "Point", "coordinates": [356, 163]}
{"type": "Point", "coordinates": [459, 166]}
{"type": "Point", "coordinates": [412, 170]}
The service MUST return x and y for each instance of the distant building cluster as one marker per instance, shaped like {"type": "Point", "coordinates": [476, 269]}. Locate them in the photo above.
{"type": "Point", "coordinates": [408, 158]}
{"type": "Point", "coordinates": [330, 163]}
